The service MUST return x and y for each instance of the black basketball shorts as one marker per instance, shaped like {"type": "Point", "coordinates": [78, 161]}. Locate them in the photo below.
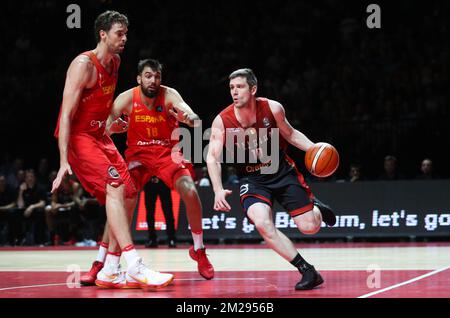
{"type": "Point", "coordinates": [289, 189]}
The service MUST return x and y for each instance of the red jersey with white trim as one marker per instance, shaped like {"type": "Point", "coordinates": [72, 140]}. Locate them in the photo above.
{"type": "Point", "coordinates": [150, 126]}
{"type": "Point", "coordinates": [251, 146]}
{"type": "Point", "coordinates": [95, 103]}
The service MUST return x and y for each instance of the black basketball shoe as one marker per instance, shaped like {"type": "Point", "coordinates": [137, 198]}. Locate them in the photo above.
{"type": "Point", "coordinates": [310, 279]}
{"type": "Point", "coordinates": [328, 215]}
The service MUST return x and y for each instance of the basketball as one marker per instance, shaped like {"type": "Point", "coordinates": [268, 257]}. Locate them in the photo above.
{"type": "Point", "coordinates": [322, 160]}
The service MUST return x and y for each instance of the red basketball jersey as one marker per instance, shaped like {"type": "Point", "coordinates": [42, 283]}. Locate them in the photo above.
{"type": "Point", "coordinates": [264, 119]}
{"type": "Point", "coordinates": [95, 103]}
{"type": "Point", "coordinates": [150, 126]}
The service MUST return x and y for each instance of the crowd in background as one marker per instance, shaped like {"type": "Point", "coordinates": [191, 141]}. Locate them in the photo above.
{"type": "Point", "coordinates": [31, 215]}
{"type": "Point", "coordinates": [379, 96]}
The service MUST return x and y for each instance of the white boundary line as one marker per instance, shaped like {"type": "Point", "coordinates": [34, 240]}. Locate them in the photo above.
{"type": "Point", "coordinates": [404, 283]}
{"type": "Point", "coordinates": [31, 286]}
{"type": "Point", "coordinates": [179, 279]}
{"type": "Point", "coordinates": [201, 279]}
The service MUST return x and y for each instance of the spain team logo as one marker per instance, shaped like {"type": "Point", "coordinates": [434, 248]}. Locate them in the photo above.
{"type": "Point", "coordinates": [113, 173]}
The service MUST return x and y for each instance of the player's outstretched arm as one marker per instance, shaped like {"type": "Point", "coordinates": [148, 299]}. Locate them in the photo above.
{"type": "Point", "coordinates": [78, 77]}
{"type": "Point", "coordinates": [180, 109]}
{"type": "Point", "coordinates": [214, 166]}
{"type": "Point", "coordinates": [122, 105]}
{"type": "Point", "coordinates": [292, 135]}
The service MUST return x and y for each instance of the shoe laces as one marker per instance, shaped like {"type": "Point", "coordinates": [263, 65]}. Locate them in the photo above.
{"type": "Point", "coordinates": [142, 268]}
{"type": "Point", "coordinates": [140, 265]}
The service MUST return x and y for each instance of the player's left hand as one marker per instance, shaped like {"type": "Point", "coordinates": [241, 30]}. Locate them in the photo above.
{"type": "Point", "coordinates": [220, 201]}
{"type": "Point", "coordinates": [118, 126]}
{"type": "Point", "coordinates": [181, 115]}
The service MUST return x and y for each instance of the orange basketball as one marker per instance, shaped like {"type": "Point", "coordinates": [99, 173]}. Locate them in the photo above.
{"type": "Point", "coordinates": [322, 160]}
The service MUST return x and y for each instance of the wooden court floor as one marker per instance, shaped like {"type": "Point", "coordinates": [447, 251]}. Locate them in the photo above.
{"type": "Point", "coordinates": [350, 270]}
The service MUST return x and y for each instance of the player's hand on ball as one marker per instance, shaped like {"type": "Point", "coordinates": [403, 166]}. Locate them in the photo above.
{"type": "Point", "coordinates": [220, 201]}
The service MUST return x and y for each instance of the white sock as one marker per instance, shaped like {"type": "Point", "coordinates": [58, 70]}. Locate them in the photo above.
{"type": "Point", "coordinates": [198, 240]}
{"type": "Point", "coordinates": [102, 251]}
{"type": "Point", "coordinates": [112, 263]}
{"type": "Point", "coordinates": [130, 254]}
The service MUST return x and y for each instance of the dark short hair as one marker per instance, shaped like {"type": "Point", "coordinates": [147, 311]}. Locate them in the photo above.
{"type": "Point", "coordinates": [30, 171]}
{"type": "Point", "coordinates": [106, 20]}
{"type": "Point", "coordinates": [153, 64]}
{"type": "Point", "coordinates": [390, 158]}
{"type": "Point", "coordinates": [247, 73]}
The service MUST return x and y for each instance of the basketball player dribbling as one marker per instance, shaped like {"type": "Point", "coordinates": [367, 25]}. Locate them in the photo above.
{"type": "Point", "coordinates": [86, 150]}
{"type": "Point", "coordinates": [154, 112]}
{"type": "Point", "coordinates": [258, 190]}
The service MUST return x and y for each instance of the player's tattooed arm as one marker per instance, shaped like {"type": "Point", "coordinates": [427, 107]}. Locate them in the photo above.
{"type": "Point", "coordinates": [180, 109]}
{"type": "Point", "coordinates": [292, 135]}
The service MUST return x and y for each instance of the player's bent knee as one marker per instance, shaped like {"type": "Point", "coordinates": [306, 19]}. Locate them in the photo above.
{"type": "Point", "coordinates": [307, 223]}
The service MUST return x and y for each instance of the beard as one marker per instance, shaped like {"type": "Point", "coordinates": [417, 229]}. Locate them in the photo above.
{"type": "Point", "coordinates": [116, 49]}
{"type": "Point", "coordinates": [149, 93]}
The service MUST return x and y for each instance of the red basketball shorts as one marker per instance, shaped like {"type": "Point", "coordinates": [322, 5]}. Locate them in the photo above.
{"type": "Point", "coordinates": [96, 162]}
{"type": "Point", "coordinates": [159, 161]}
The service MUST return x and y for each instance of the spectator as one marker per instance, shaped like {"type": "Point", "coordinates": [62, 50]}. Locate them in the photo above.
{"type": "Point", "coordinates": [7, 202]}
{"type": "Point", "coordinates": [355, 173]}
{"type": "Point", "coordinates": [63, 207]}
{"type": "Point", "coordinates": [232, 176]}
{"type": "Point", "coordinates": [31, 203]}
{"type": "Point", "coordinates": [43, 173]}
{"type": "Point", "coordinates": [204, 180]}
{"type": "Point", "coordinates": [15, 174]}
{"type": "Point", "coordinates": [390, 169]}
{"type": "Point", "coordinates": [427, 170]}
{"type": "Point", "coordinates": [93, 218]}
